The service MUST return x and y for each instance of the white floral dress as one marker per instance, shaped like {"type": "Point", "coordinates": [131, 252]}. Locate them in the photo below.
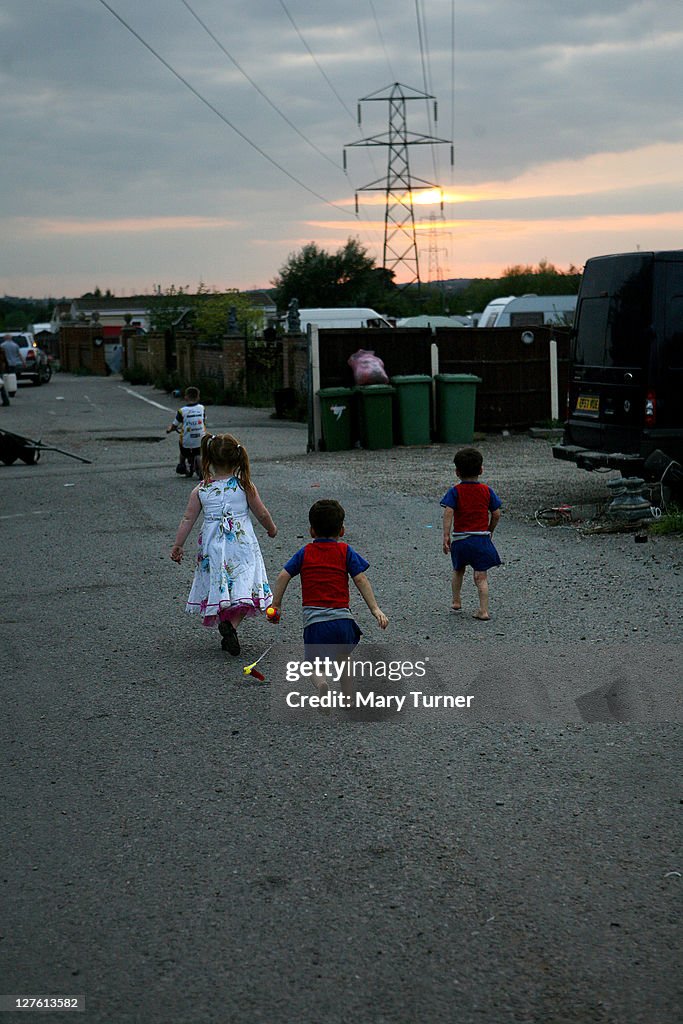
{"type": "Point", "coordinates": [230, 576]}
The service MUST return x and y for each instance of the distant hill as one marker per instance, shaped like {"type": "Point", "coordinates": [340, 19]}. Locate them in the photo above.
{"type": "Point", "coordinates": [455, 284]}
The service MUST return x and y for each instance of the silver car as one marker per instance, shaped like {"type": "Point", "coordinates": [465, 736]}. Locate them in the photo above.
{"type": "Point", "coordinates": [38, 367]}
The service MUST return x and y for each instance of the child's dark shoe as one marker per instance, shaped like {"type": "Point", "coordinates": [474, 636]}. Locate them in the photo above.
{"type": "Point", "coordinates": [230, 641]}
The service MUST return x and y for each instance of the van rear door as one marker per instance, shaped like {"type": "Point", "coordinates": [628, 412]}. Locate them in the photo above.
{"type": "Point", "coordinates": [667, 376]}
{"type": "Point", "coordinates": [610, 354]}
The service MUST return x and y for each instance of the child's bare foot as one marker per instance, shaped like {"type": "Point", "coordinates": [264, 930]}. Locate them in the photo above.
{"type": "Point", "coordinates": [482, 618]}
{"type": "Point", "coordinates": [456, 606]}
{"type": "Point", "coordinates": [323, 689]}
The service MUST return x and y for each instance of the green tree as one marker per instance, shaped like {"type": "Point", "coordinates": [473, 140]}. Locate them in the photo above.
{"type": "Point", "coordinates": [166, 308]}
{"type": "Point", "coordinates": [348, 277]}
{"type": "Point", "coordinates": [207, 311]}
{"type": "Point", "coordinates": [18, 314]}
{"type": "Point", "coordinates": [213, 311]}
{"type": "Point", "coordinates": [545, 279]}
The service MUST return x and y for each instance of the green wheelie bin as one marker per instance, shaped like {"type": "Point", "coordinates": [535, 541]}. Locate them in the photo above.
{"type": "Point", "coordinates": [335, 418]}
{"type": "Point", "coordinates": [376, 415]}
{"type": "Point", "coordinates": [413, 396]}
{"type": "Point", "coordinates": [456, 396]}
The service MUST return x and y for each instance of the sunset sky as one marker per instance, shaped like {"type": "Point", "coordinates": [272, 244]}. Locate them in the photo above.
{"type": "Point", "coordinates": [217, 155]}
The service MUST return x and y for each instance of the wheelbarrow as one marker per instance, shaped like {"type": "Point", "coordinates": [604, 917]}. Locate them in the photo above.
{"type": "Point", "coordinates": [15, 446]}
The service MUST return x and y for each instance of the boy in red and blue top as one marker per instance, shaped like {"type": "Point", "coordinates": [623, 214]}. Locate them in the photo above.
{"type": "Point", "coordinates": [325, 566]}
{"type": "Point", "coordinates": [471, 511]}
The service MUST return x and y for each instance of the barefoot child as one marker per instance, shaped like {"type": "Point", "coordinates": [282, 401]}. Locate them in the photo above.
{"type": "Point", "coordinates": [471, 511]}
{"type": "Point", "coordinates": [230, 577]}
{"type": "Point", "coordinates": [325, 566]}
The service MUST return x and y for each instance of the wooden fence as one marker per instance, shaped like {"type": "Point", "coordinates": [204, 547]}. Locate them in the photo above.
{"type": "Point", "coordinates": [512, 362]}
{"type": "Point", "coordinates": [515, 391]}
{"type": "Point", "coordinates": [81, 349]}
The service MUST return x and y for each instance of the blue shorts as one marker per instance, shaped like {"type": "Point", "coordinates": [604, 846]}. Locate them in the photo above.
{"type": "Point", "coordinates": [479, 552]}
{"type": "Point", "coordinates": [339, 633]}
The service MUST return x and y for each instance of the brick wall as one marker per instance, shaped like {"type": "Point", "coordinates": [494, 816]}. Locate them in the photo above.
{"type": "Point", "coordinates": [224, 364]}
{"type": "Point", "coordinates": [234, 357]}
{"type": "Point", "coordinates": [146, 351]}
{"type": "Point", "coordinates": [295, 364]}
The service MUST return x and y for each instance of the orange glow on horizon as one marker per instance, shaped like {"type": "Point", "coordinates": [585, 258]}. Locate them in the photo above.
{"type": "Point", "coordinates": [659, 164]}
{"type": "Point", "coordinates": [608, 222]}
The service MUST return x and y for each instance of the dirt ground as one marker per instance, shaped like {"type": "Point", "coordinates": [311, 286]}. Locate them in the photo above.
{"type": "Point", "coordinates": [521, 469]}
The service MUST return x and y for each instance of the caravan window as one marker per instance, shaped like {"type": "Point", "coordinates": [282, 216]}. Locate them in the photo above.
{"type": "Point", "coordinates": [526, 319]}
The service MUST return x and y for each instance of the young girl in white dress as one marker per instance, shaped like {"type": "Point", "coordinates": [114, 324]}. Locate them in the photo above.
{"type": "Point", "coordinates": [230, 579]}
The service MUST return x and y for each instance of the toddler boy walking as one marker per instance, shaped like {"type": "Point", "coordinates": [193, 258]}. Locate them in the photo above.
{"type": "Point", "coordinates": [325, 566]}
{"type": "Point", "coordinates": [471, 512]}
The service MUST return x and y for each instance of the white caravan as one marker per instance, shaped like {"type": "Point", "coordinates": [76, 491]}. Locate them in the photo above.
{"type": "Point", "coordinates": [529, 311]}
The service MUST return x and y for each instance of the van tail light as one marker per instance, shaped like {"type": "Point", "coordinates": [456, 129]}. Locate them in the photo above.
{"type": "Point", "coordinates": [650, 409]}
{"type": "Point", "coordinates": [30, 354]}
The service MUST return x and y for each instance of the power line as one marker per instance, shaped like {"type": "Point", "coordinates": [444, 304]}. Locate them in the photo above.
{"type": "Point", "coordinates": [264, 95]}
{"type": "Point", "coordinates": [452, 70]}
{"type": "Point", "coordinates": [222, 116]}
{"type": "Point", "coordinates": [379, 33]}
{"type": "Point", "coordinates": [426, 73]}
{"type": "Point", "coordinates": [452, 109]}
{"type": "Point", "coordinates": [314, 59]}
{"type": "Point", "coordinates": [420, 36]}
{"type": "Point", "coordinates": [359, 214]}
{"type": "Point", "coordinates": [258, 88]}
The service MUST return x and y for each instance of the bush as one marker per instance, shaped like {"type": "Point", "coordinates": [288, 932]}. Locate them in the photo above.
{"type": "Point", "coordinates": [136, 375]}
{"type": "Point", "coordinates": [169, 382]}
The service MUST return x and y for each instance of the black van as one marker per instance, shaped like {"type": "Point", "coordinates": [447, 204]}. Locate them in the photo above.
{"type": "Point", "coordinates": [625, 395]}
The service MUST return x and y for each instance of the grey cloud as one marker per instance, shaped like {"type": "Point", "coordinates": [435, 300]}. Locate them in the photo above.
{"type": "Point", "coordinates": [94, 126]}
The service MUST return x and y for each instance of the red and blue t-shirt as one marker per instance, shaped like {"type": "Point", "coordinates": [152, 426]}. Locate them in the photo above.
{"type": "Point", "coordinates": [471, 503]}
{"type": "Point", "coordinates": [325, 566]}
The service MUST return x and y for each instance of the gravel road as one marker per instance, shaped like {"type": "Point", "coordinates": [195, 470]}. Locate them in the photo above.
{"type": "Point", "coordinates": [176, 853]}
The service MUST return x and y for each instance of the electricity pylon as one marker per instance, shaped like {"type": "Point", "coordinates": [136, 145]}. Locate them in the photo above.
{"type": "Point", "coordinates": [434, 272]}
{"type": "Point", "coordinates": [400, 243]}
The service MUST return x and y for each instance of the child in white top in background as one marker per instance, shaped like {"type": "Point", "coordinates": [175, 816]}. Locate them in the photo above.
{"type": "Point", "coordinates": [190, 422]}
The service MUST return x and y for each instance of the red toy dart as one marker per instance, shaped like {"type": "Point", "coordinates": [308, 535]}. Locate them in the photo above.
{"type": "Point", "coordinates": [251, 670]}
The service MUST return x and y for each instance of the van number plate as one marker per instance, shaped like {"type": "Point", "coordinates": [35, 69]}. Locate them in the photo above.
{"type": "Point", "coordinates": [588, 403]}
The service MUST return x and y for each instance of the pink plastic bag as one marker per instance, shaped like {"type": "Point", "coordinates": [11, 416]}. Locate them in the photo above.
{"type": "Point", "coordinates": [367, 368]}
